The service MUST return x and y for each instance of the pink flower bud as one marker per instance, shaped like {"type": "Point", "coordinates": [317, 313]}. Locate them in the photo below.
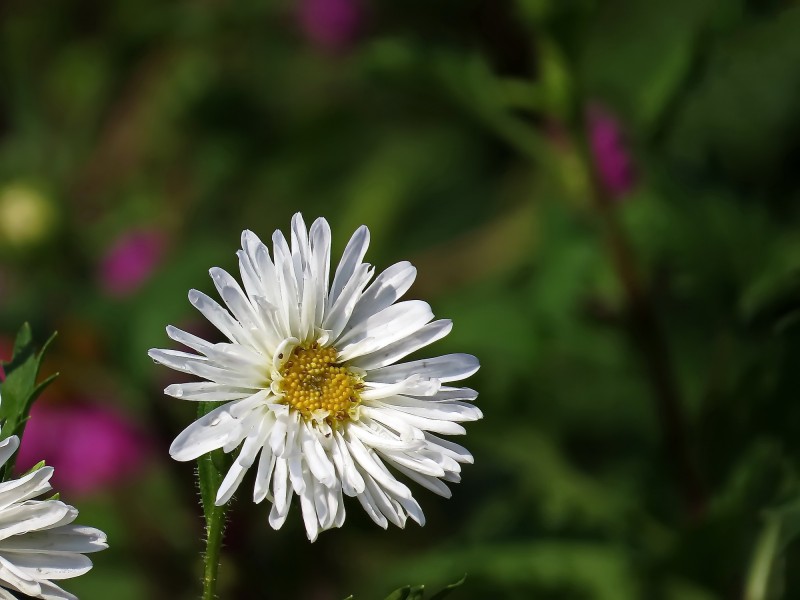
{"type": "Point", "coordinates": [610, 152]}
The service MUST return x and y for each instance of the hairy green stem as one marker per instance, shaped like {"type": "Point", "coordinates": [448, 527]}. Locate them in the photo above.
{"type": "Point", "coordinates": [215, 525]}
{"type": "Point", "coordinates": [209, 476]}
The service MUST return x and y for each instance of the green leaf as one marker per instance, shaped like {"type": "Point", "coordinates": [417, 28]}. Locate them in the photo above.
{"type": "Point", "coordinates": [417, 592]}
{"type": "Point", "coordinates": [20, 390]}
{"type": "Point", "coordinates": [781, 526]}
{"type": "Point", "coordinates": [639, 62]}
{"type": "Point", "coordinates": [399, 594]}
{"type": "Point", "coordinates": [725, 116]}
{"type": "Point", "coordinates": [446, 591]}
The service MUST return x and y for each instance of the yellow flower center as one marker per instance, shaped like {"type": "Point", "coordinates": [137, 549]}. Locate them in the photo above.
{"type": "Point", "coordinates": [313, 382]}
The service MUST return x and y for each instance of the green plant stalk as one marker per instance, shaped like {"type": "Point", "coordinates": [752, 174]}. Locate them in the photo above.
{"type": "Point", "coordinates": [209, 475]}
{"type": "Point", "coordinates": [647, 334]}
{"type": "Point", "coordinates": [762, 568]}
{"type": "Point", "coordinates": [214, 532]}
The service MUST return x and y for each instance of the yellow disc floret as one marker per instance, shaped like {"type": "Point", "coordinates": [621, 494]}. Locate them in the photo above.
{"type": "Point", "coordinates": [314, 384]}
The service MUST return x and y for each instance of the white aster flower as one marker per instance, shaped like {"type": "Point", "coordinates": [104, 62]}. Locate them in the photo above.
{"type": "Point", "coordinates": [38, 542]}
{"type": "Point", "coordinates": [308, 380]}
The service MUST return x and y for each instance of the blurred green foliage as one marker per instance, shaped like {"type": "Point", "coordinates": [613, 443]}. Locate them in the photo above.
{"type": "Point", "coordinates": [456, 131]}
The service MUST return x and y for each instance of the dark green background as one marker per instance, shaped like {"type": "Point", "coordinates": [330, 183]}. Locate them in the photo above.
{"type": "Point", "coordinates": [454, 129]}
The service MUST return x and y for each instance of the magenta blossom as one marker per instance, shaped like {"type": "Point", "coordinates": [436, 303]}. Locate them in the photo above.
{"type": "Point", "coordinates": [131, 260]}
{"type": "Point", "coordinates": [329, 24]}
{"type": "Point", "coordinates": [91, 447]}
{"type": "Point", "coordinates": [610, 152]}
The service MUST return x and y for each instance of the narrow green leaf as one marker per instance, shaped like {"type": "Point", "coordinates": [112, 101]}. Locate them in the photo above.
{"type": "Point", "coordinates": [400, 594]}
{"type": "Point", "coordinates": [446, 591]}
{"type": "Point", "coordinates": [417, 593]}
{"type": "Point", "coordinates": [766, 578]}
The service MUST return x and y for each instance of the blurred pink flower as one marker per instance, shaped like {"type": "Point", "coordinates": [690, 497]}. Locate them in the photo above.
{"type": "Point", "coordinates": [91, 447]}
{"type": "Point", "coordinates": [131, 260]}
{"type": "Point", "coordinates": [329, 24]}
{"type": "Point", "coordinates": [610, 152]}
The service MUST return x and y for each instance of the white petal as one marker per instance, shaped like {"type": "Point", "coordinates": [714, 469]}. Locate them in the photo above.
{"type": "Point", "coordinates": [446, 411]}
{"type": "Point", "coordinates": [316, 458]}
{"type": "Point", "coordinates": [426, 481]}
{"type": "Point", "coordinates": [320, 235]}
{"type": "Point", "coordinates": [7, 447]}
{"type": "Point", "coordinates": [371, 508]}
{"type": "Point", "coordinates": [388, 326]}
{"type": "Point", "coordinates": [450, 367]}
{"type": "Point", "coordinates": [66, 538]}
{"type": "Point", "coordinates": [445, 394]}
{"type": "Point", "coordinates": [390, 285]}
{"type": "Point", "coordinates": [281, 490]}
{"type": "Point", "coordinates": [207, 391]}
{"type": "Point", "coordinates": [17, 578]}
{"type": "Point", "coordinates": [207, 433]}
{"type": "Point", "coordinates": [254, 440]}
{"type": "Point", "coordinates": [301, 248]}
{"type": "Point", "coordinates": [287, 282]}
{"type": "Point", "coordinates": [217, 316]}
{"type": "Point", "coordinates": [400, 349]}
{"type": "Point", "coordinates": [43, 565]}
{"type": "Point", "coordinates": [414, 385]}
{"type": "Point", "coordinates": [235, 299]}
{"type": "Point", "coordinates": [189, 340]}
{"type": "Point", "coordinates": [368, 461]}
{"type": "Point", "coordinates": [33, 515]}
{"type": "Point", "coordinates": [351, 479]}
{"type": "Point", "coordinates": [384, 503]}
{"type": "Point", "coordinates": [259, 258]}
{"type": "Point", "coordinates": [338, 313]}
{"type": "Point", "coordinates": [176, 359]}
{"type": "Point", "coordinates": [384, 428]}
{"type": "Point", "coordinates": [29, 486]}
{"type": "Point", "coordinates": [266, 465]}
{"type": "Point", "coordinates": [309, 510]}
{"type": "Point", "coordinates": [435, 425]}
{"type": "Point", "coordinates": [50, 591]}
{"type": "Point", "coordinates": [351, 259]}
{"type": "Point", "coordinates": [451, 449]}
{"type": "Point", "coordinates": [416, 462]}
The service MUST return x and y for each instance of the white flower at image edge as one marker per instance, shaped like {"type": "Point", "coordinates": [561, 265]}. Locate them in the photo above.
{"type": "Point", "coordinates": [38, 542]}
{"type": "Point", "coordinates": [311, 387]}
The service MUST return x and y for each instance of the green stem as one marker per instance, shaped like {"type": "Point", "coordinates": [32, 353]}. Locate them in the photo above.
{"type": "Point", "coordinates": [214, 531]}
{"type": "Point", "coordinates": [763, 565]}
{"type": "Point", "coordinates": [648, 335]}
{"type": "Point", "coordinates": [209, 475]}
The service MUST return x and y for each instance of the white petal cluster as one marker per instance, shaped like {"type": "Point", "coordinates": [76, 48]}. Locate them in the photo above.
{"type": "Point", "coordinates": [288, 301]}
{"type": "Point", "coordinates": [38, 542]}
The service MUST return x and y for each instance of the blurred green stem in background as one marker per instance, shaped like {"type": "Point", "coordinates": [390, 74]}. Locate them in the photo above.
{"type": "Point", "coordinates": [647, 335]}
{"type": "Point", "coordinates": [762, 569]}
{"type": "Point", "coordinates": [209, 475]}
